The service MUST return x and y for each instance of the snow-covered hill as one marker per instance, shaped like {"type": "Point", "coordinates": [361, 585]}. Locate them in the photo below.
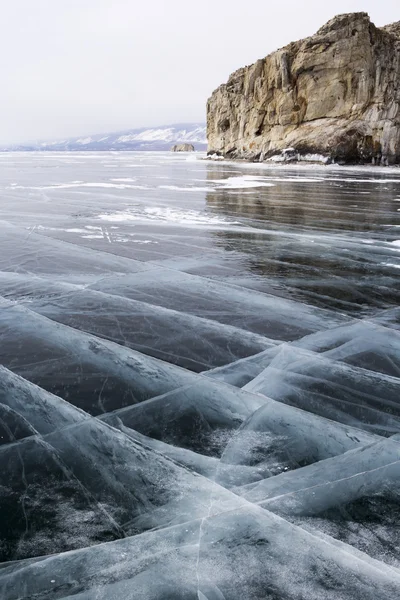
{"type": "Point", "coordinates": [157, 138]}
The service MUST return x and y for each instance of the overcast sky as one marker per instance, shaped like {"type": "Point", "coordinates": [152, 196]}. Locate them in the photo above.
{"type": "Point", "coordinates": [72, 67]}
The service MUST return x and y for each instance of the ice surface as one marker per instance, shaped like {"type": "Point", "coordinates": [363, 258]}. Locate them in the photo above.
{"type": "Point", "coordinates": [281, 438]}
{"type": "Point", "coordinates": [38, 411]}
{"type": "Point", "coordinates": [164, 214]}
{"type": "Point", "coordinates": [29, 252]}
{"type": "Point", "coordinates": [199, 379]}
{"type": "Point", "coordinates": [265, 314]}
{"type": "Point", "coordinates": [332, 389]}
{"type": "Point", "coordinates": [246, 181]}
{"type": "Point", "coordinates": [203, 343]}
{"type": "Point", "coordinates": [233, 555]}
{"type": "Point", "coordinates": [362, 344]}
{"type": "Point", "coordinates": [335, 496]}
{"type": "Point", "coordinates": [89, 372]}
{"type": "Point", "coordinates": [200, 417]}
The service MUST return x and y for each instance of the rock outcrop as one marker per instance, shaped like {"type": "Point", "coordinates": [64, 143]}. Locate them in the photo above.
{"type": "Point", "coordinates": [182, 148]}
{"type": "Point", "coordinates": [335, 94]}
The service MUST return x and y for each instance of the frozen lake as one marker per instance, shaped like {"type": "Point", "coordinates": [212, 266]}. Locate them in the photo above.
{"type": "Point", "coordinates": [199, 391]}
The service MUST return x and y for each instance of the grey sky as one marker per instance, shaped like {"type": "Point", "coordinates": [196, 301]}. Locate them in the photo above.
{"type": "Point", "coordinates": [72, 67]}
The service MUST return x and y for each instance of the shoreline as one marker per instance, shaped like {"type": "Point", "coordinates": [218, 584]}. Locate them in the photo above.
{"type": "Point", "coordinates": [303, 165]}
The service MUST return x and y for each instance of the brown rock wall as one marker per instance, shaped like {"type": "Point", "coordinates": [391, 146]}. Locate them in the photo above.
{"type": "Point", "coordinates": [336, 93]}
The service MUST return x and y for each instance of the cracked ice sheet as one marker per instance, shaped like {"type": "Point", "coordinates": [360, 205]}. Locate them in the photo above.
{"type": "Point", "coordinates": [94, 374]}
{"type": "Point", "coordinates": [26, 252]}
{"type": "Point", "coordinates": [136, 487]}
{"type": "Point", "coordinates": [34, 411]}
{"type": "Point", "coordinates": [137, 243]}
{"type": "Point", "coordinates": [286, 270]}
{"type": "Point", "coordinates": [87, 468]}
{"type": "Point", "coordinates": [211, 429]}
{"type": "Point", "coordinates": [332, 389]}
{"type": "Point", "coordinates": [365, 344]}
{"type": "Point", "coordinates": [362, 344]}
{"type": "Point", "coordinates": [265, 314]}
{"type": "Point", "coordinates": [240, 553]}
{"type": "Point", "coordinates": [242, 428]}
{"type": "Point", "coordinates": [388, 318]}
{"type": "Point", "coordinates": [332, 496]}
{"type": "Point", "coordinates": [188, 341]}
{"type": "Point", "coordinates": [267, 239]}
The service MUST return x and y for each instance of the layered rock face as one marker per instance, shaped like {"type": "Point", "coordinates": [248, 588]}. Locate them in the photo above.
{"type": "Point", "coordinates": [336, 94]}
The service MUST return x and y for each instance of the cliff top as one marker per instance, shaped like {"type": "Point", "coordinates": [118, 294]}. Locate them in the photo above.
{"type": "Point", "coordinates": [363, 18]}
{"type": "Point", "coordinates": [343, 21]}
{"type": "Point", "coordinates": [393, 29]}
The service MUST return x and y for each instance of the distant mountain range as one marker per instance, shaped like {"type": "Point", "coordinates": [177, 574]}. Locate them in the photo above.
{"type": "Point", "coordinates": [157, 138]}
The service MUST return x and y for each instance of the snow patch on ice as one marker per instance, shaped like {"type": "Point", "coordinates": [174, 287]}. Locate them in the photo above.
{"type": "Point", "coordinates": [318, 158]}
{"type": "Point", "coordinates": [165, 214]}
{"type": "Point", "coordinates": [59, 186]}
{"type": "Point", "coordinates": [124, 179]}
{"type": "Point", "coordinates": [291, 155]}
{"type": "Point", "coordinates": [143, 241]}
{"type": "Point", "coordinates": [244, 181]}
{"type": "Point", "coordinates": [396, 244]}
{"type": "Point", "coordinates": [215, 157]}
{"type": "Point", "coordinates": [184, 189]}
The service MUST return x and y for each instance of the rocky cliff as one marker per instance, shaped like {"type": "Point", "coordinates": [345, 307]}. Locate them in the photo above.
{"type": "Point", "coordinates": [335, 94]}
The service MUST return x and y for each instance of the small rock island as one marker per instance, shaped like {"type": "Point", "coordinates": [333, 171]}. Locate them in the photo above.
{"type": "Point", "coordinates": [334, 96]}
{"type": "Point", "coordinates": [182, 148]}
